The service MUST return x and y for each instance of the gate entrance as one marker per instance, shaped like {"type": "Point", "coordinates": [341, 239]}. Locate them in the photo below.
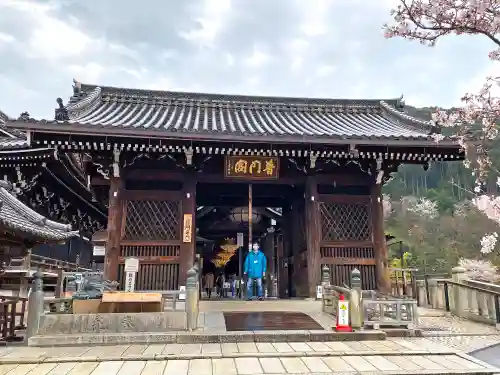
{"type": "Point", "coordinates": [223, 217]}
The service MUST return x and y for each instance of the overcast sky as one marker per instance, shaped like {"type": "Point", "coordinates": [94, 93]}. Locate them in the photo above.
{"type": "Point", "coordinates": [318, 48]}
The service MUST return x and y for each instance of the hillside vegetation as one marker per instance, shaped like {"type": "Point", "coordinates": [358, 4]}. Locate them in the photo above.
{"type": "Point", "coordinates": [431, 212]}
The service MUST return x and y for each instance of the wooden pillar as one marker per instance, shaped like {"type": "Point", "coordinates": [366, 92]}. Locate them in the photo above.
{"type": "Point", "coordinates": [379, 244]}
{"type": "Point", "coordinates": [281, 270]}
{"type": "Point", "coordinates": [299, 248]}
{"type": "Point", "coordinates": [115, 210]}
{"type": "Point", "coordinates": [313, 235]}
{"type": "Point", "coordinates": [284, 252]}
{"type": "Point", "coordinates": [188, 245]}
{"type": "Point", "coordinates": [268, 249]}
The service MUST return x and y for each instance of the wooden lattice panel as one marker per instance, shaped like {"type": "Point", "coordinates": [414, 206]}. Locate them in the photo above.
{"type": "Point", "coordinates": [162, 276]}
{"type": "Point", "coordinates": [149, 251]}
{"type": "Point", "coordinates": [152, 220]}
{"type": "Point", "coordinates": [345, 221]}
{"type": "Point", "coordinates": [347, 252]}
{"type": "Point", "coordinates": [340, 275]}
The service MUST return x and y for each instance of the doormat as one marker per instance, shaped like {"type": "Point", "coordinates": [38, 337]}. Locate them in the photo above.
{"type": "Point", "coordinates": [269, 321]}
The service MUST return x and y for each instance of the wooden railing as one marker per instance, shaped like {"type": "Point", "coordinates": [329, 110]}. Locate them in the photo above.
{"type": "Point", "coordinates": [12, 317]}
{"type": "Point", "coordinates": [403, 281]}
{"type": "Point", "coordinates": [34, 261]}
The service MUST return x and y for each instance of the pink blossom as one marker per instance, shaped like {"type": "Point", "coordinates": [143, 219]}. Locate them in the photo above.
{"type": "Point", "coordinates": [481, 270]}
{"type": "Point", "coordinates": [488, 243]}
{"type": "Point", "coordinates": [489, 205]}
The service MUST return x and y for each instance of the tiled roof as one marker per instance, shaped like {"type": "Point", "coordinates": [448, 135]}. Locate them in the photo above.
{"type": "Point", "coordinates": [10, 138]}
{"type": "Point", "coordinates": [18, 217]}
{"type": "Point", "coordinates": [172, 112]}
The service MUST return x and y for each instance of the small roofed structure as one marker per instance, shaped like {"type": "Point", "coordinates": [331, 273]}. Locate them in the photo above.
{"type": "Point", "coordinates": [21, 228]}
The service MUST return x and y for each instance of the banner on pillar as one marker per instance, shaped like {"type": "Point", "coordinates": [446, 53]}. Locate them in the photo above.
{"type": "Point", "coordinates": [187, 229]}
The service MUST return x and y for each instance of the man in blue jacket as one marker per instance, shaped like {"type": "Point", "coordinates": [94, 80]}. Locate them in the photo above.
{"type": "Point", "coordinates": [255, 268]}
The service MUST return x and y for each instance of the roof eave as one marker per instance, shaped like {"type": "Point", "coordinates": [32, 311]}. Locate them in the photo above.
{"type": "Point", "coordinates": [85, 129]}
{"type": "Point", "coordinates": [41, 236]}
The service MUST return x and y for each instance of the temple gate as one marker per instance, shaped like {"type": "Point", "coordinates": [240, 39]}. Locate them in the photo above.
{"type": "Point", "coordinates": [164, 156]}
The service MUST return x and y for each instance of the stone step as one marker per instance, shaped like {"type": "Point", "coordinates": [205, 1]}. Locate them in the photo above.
{"type": "Point", "coordinates": [261, 365]}
{"type": "Point", "coordinates": [202, 337]}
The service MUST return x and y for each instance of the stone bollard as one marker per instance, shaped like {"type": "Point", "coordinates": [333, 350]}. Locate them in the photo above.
{"type": "Point", "coordinates": [459, 294]}
{"type": "Point", "coordinates": [192, 301]}
{"type": "Point", "coordinates": [35, 305]}
{"type": "Point", "coordinates": [325, 275]}
{"type": "Point", "coordinates": [433, 293]}
{"type": "Point", "coordinates": [356, 300]}
{"type": "Point", "coordinates": [328, 304]}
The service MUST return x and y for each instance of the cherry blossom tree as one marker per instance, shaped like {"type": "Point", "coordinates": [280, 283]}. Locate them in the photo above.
{"type": "Point", "coordinates": [476, 122]}
{"type": "Point", "coordinates": [424, 207]}
{"type": "Point", "coordinates": [481, 270]}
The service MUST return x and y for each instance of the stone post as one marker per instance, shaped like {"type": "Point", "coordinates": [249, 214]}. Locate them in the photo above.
{"type": "Point", "coordinates": [356, 303]}
{"type": "Point", "coordinates": [441, 304]}
{"type": "Point", "coordinates": [422, 293]}
{"type": "Point", "coordinates": [483, 304]}
{"type": "Point", "coordinates": [459, 294]}
{"type": "Point", "coordinates": [35, 305]}
{"type": "Point", "coordinates": [192, 300]}
{"type": "Point", "coordinates": [433, 293]}
{"type": "Point", "coordinates": [328, 300]}
{"type": "Point", "coordinates": [472, 306]}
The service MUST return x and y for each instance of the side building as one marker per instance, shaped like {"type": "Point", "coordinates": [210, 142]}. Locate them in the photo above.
{"type": "Point", "coordinates": [55, 187]}
{"type": "Point", "coordinates": [313, 167]}
{"type": "Point", "coordinates": [22, 229]}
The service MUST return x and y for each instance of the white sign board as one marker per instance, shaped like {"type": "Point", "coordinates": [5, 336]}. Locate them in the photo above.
{"type": "Point", "coordinates": [239, 239]}
{"type": "Point", "coordinates": [319, 292]}
{"type": "Point", "coordinates": [182, 294]}
{"type": "Point", "coordinates": [131, 265]}
{"type": "Point", "coordinates": [130, 281]}
{"type": "Point", "coordinates": [343, 313]}
{"type": "Point", "coordinates": [99, 251]}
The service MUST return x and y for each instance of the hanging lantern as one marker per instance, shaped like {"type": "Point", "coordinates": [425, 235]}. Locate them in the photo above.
{"type": "Point", "coordinates": [240, 215]}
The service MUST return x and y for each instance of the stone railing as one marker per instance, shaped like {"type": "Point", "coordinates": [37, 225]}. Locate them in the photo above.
{"type": "Point", "coordinates": [474, 300]}
{"type": "Point", "coordinates": [367, 309]}
{"type": "Point", "coordinates": [55, 316]}
{"type": "Point", "coordinates": [391, 312]}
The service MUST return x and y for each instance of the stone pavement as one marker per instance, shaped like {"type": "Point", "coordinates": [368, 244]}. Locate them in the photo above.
{"type": "Point", "coordinates": [437, 326]}
{"type": "Point", "coordinates": [439, 352]}
{"type": "Point", "coordinates": [392, 356]}
{"type": "Point", "coordinates": [369, 365]}
{"type": "Point", "coordinates": [456, 333]}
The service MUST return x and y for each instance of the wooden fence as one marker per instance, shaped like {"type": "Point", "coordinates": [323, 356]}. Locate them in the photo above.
{"type": "Point", "coordinates": [12, 317]}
